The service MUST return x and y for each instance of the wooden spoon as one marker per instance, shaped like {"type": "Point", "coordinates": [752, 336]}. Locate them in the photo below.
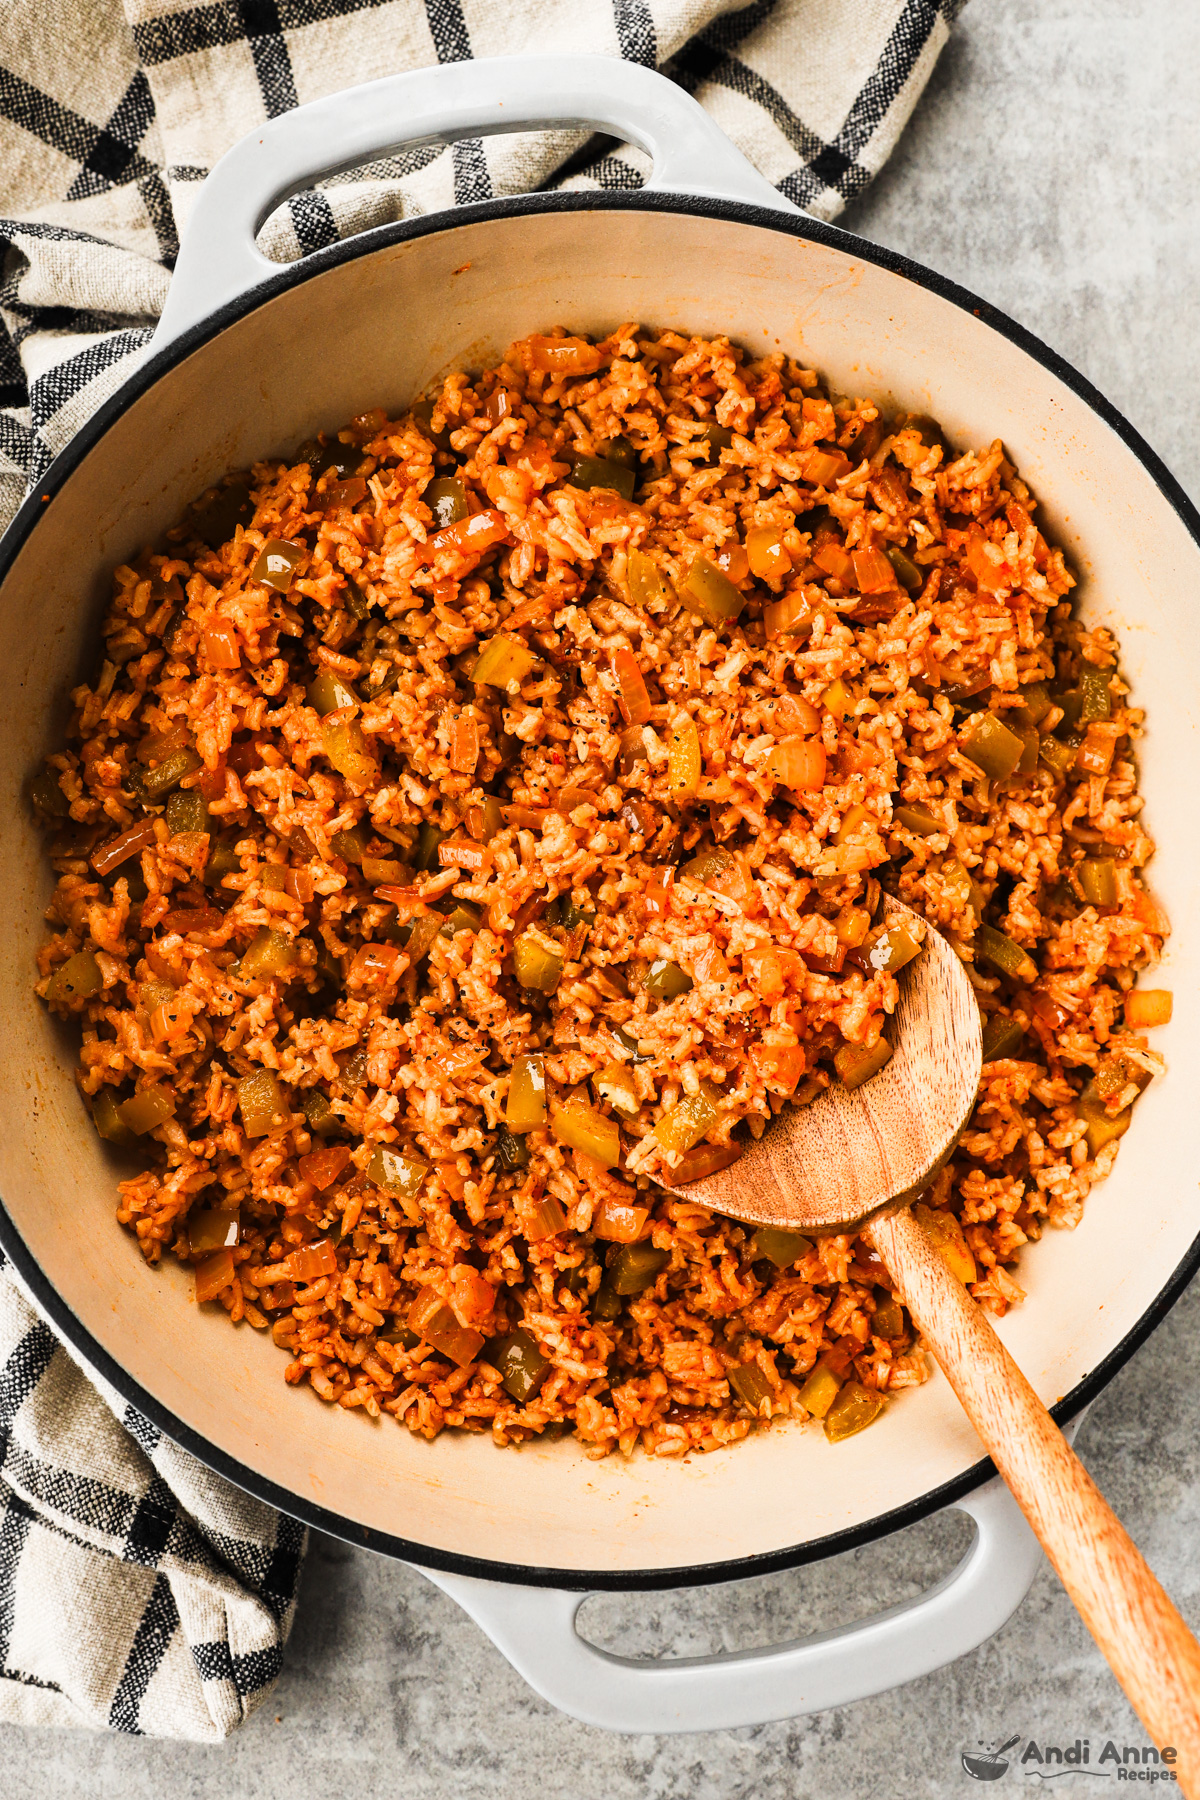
{"type": "Point", "coordinates": [852, 1162]}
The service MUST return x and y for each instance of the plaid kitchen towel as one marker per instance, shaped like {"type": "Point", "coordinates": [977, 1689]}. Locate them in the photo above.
{"type": "Point", "coordinates": [111, 114]}
{"type": "Point", "coordinates": [139, 1591]}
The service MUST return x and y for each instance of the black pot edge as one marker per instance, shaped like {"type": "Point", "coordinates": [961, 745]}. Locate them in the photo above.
{"type": "Point", "coordinates": [797, 225]}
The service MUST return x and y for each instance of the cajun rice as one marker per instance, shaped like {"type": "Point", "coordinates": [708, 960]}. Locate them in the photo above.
{"type": "Point", "coordinates": [438, 865]}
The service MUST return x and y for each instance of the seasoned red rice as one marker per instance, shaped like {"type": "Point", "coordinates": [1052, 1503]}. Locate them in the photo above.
{"type": "Point", "coordinates": [888, 595]}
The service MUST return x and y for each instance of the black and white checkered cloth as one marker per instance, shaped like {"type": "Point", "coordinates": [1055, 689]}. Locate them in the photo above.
{"type": "Point", "coordinates": [139, 1591]}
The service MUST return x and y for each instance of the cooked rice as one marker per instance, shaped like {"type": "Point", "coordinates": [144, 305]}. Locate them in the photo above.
{"type": "Point", "coordinates": [417, 1057]}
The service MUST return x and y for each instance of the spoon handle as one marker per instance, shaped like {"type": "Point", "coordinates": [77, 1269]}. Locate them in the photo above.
{"type": "Point", "coordinates": [1149, 1648]}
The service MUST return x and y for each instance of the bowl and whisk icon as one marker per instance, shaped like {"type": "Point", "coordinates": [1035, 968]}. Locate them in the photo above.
{"type": "Point", "coordinates": [988, 1765]}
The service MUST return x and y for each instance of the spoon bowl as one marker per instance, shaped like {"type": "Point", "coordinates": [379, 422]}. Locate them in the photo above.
{"type": "Point", "coordinates": [837, 1163]}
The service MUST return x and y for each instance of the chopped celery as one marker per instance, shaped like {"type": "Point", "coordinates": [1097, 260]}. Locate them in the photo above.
{"type": "Point", "coordinates": [1006, 956]}
{"type": "Point", "coordinates": [525, 1109]}
{"type": "Point", "coordinates": [855, 1064]}
{"type": "Point", "coordinates": [262, 1104]}
{"type": "Point", "coordinates": [329, 694]}
{"type": "Point", "coordinates": [819, 1391]}
{"type": "Point", "coordinates": [397, 1173]}
{"type": "Point", "coordinates": [537, 961]}
{"type": "Point", "coordinates": [636, 1267]}
{"type": "Point", "coordinates": [709, 592]}
{"type": "Point", "coordinates": [1095, 694]}
{"type": "Point", "coordinates": [993, 748]}
{"type": "Point", "coordinates": [619, 1221]}
{"type": "Point", "coordinates": [1103, 1127]}
{"type": "Point", "coordinates": [855, 1408]}
{"type": "Point", "coordinates": [615, 1084]}
{"type": "Point", "coordinates": [1001, 1038]}
{"type": "Point", "coordinates": [892, 947]}
{"type": "Point", "coordinates": [446, 499]}
{"type": "Point", "coordinates": [600, 472]}
{"type": "Point", "coordinates": [684, 765]}
{"type": "Point", "coordinates": [152, 785]}
{"type": "Point", "coordinates": [209, 1230]}
{"type": "Point", "coordinates": [269, 954]}
{"type": "Point", "coordinates": [837, 699]}
{"type": "Point", "coordinates": [706, 1160]}
{"type": "Point", "coordinates": [277, 563]}
{"type": "Point", "coordinates": [46, 793]}
{"type": "Point", "coordinates": [518, 1361]}
{"type": "Point", "coordinates": [583, 1128]}
{"type": "Point", "coordinates": [346, 748]}
{"type": "Point", "coordinates": [512, 1149]}
{"type": "Point", "coordinates": [919, 819]}
{"type": "Point", "coordinates": [213, 1275]}
{"type": "Point", "coordinates": [106, 1117]}
{"type": "Point", "coordinates": [688, 1122]}
{"type": "Point", "coordinates": [633, 696]}
{"type": "Point", "coordinates": [76, 980]}
{"type": "Point", "coordinates": [666, 980]}
{"type": "Point", "coordinates": [907, 572]}
{"type": "Point", "coordinates": [545, 1218]}
{"type": "Point", "coordinates": [429, 839]}
{"type": "Point", "coordinates": [752, 1385]}
{"type": "Point", "coordinates": [503, 661]}
{"type": "Point", "coordinates": [380, 869]}
{"type": "Point", "coordinates": [946, 1235]}
{"type": "Point", "coordinates": [887, 1321]}
{"type": "Point", "coordinates": [783, 1248]}
{"type": "Point", "coordinates": [223, 860]}
{"type": "Point", "coordinates": [442, 1331]}
{"type": "Point", "coordinates": [1098, 879]}
{"type": "Point", "coordinates": [312, 1261]}
{"type": "Point", "coordinates": [792, 616]}
{"type": "Point", "coordinates": [186, 812]}
{"type": "Point", "coordinates": [150, 1107]}
{"type": "Point", "coordinates": [767, 554]}
{"type": "Point", "coordinates": [1147, 1007]}
{"type": "Point", "coordinates": [318, 1113]}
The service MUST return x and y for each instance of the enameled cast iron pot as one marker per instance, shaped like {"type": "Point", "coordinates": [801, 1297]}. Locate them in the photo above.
{"type": "Point", "coordinates": [252, 358]}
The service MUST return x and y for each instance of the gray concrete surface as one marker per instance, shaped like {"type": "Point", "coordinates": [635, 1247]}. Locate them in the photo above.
{"type": "Point", "coordinates": [1050, 167]}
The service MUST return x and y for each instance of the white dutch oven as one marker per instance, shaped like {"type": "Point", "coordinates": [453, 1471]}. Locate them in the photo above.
{"type": "Point", "coordinates": [251, 358]}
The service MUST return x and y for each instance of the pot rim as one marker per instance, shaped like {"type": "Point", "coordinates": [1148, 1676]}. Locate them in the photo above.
{"type": "Point", "coordinates": [158, 364]}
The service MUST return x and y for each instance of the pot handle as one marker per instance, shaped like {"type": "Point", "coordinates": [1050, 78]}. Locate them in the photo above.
{"type": "Point", "coordinates": [219, 260]}
{"type": "Point", "coordinates": [535, 1629]}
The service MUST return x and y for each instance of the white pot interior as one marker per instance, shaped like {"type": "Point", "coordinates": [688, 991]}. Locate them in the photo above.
{"type": "Point", "coordinates": [374, 331]}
